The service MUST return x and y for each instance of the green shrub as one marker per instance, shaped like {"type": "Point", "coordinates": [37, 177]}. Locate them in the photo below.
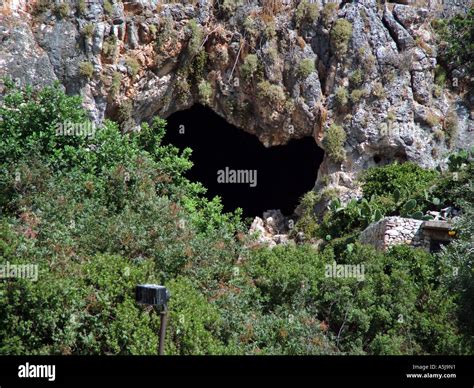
{"type": "Point", "coordinates": [451, 124]}
{"type": "Point", "coordinates": [63, 10]}
{"type": "Point", "coordinates": [197, 35]}
{"type": "Point", "coordinates": [116, 82]}
{"type": "Point", "coordinates": [88, 30]}
{"type": "Point", "coordinates": [81, 7]}
{"type": "Point", "coordinates": [334, 140]}
{"type": "Point", "coordinates": [341, 96]}
{"type": "Point", "coordinates": [432, 119]}
{"type": "Point", "coordinates": [357, 77]}
{"type": "Point", "coordinates": [306, 67]}
{"type": "Point", "coordinates": [378, 90]}
{"type": "Point", "coordinates": [391, 116]}
{"type": "Point", "coordinates": [369, 62]}
{"type": "Point", "coordinates": [194, 322]}
{"type": "Point", "coordinates": [440, 76]}
{"type": "Point", "coordinates": [125, 111]}
{"type": "Point", "coordinates": [329, 14]}
{"type": "Point", "coordinates": [109, 46]}
{"type": "Point", "coordinates": [182, 89]}
{"type": "Point", "coordinates": [86, 69]}
{"type": "Point", "coordinates": [205, 91]}
{"type": "Point", "coordinates": [306, 12]}
{"type": "Point", "coordinates": [454, 37]}
{"type": "Point", "coordinates": [167, 31]}
{"type": "Point", "coordinates": [272, 93]}
{"type": "Point", "coordinates": [198, 66]}
{"type": "Point", "coordinates": [251, 26]}
{"type": "Point", "coordinates": [286, 274]}
{"type": "Point", "coordinates": [133, 66]}
{"type": "Point", "coordinates": [108, 7]}
{"type": "Point", "coordinates": [357, 94]}
{"type": "Point", "coordinates": [269, 32]}
{"type": "Point", "coordinates": [385, 180]}
{"type": "Point", "coordinates": [249, 67]}
{"type": "Point", "coordinates": [341, 34]}
{"type": "Point", "coordinates": [228, 7]}
{"type": "Point", "coordinates": [306, 222]}
{"type": "Point", "coordinates": [41, 6]}
{"type": "Point", "coordinates": [437, 91]}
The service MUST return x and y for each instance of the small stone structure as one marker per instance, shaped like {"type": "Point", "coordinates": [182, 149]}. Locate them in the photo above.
{"type": "Point", "coordinates": [397, 230]}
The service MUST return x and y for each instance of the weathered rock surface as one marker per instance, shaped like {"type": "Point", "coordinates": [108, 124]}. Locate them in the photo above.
{"type": "Point", "coordinates": [161, 58]}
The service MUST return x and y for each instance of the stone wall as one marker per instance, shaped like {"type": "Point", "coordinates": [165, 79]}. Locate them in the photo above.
{"type": "Point", "coordinates": [393, 231]}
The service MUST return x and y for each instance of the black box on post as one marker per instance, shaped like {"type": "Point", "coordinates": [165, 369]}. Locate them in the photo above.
{"type": "Point", "coordinates": [152, 294]}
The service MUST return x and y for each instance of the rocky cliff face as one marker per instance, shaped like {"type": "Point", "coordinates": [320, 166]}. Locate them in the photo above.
{"type": "Point", "coordinates": [360, 70]}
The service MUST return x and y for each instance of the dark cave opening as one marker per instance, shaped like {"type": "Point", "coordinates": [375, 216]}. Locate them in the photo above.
{"type": "Point", "coordinates": [234, 165]}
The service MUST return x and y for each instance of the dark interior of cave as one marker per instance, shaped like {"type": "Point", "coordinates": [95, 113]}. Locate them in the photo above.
{"type": "Point", "coordinates": [283, 173]}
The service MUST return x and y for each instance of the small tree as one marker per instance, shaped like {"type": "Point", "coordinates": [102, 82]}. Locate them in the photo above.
{"type": "Point", "coordinates": [334, 140]}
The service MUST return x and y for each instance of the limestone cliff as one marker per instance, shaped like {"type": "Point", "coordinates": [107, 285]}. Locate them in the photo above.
{"type": "Point", "coordinates": [360, 71]}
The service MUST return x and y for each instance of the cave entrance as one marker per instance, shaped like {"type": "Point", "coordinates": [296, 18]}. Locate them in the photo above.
{"type": "Point", "coordinates": [234, 165]}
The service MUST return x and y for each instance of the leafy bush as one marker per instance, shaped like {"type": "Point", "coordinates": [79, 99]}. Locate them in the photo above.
{"type": "Point", "coordinates": [382, 181]}
{"type": "Point", "coordinates": [306, 222]}
{"type": "Point", "coordinates": [341, 96]}
{"type": "Point", "coordinates": [133, 65]}
{"type": "Point", "coordinates": [116, 82]}
{"type": "Point", "coordinates": [329, 14]}
{"type": "Point", "coordinates": [88, 30]}
{"type": "Point", "coordinates": [108, 7]}
{"type": "Point", "coordinates": [357, 94]}
{"type": "Point", "coordinates": [86, 69]}
{"type": "Point", "coordinates": [453, 187]}
{"type": "Point", "coordinates": [109, 47]}
{"type": "Point", "coordinates": [250, 67]}
{"type": "Point", "coordinates": [334, 140]}
{"type": "Point", "coordinates": [42, 6]}
{"type": "Point", "coordinates": [194, 322]}
{"type": "Point", "coordinates": [81, 7]}
{"type": "Point", "coordinates": [341, 34]}
{"type": "Point", "coordinates": [455, 37]}
{"type": "Point", "coordinates": [378, 90]}
{"type": "Point", "coordinates": [272, 93]}
{"type": "Point", "coordinates": [228, 7]}
{"type": "Point", "coordinates": [306, 67]}
{"type": "Point", "coordinates": [306, 12]}
{"type": "Point", "coordinates": [63, 10]}
{"type": "Point", "coordinates": [451, 124]}
{"type": "Point", "coordinates": [357, 77]}
{"type": "Point", "coordinates": [205, 91]}
{"type": "Point", "coordinates": [196, 38]}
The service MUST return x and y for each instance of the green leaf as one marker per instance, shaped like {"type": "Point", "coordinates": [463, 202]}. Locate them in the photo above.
{"type": "Point", "coordinates": [378, 215]}
{"type": "Point", "coordinates": [396, 195]}
{"type": "Point", "coordinates": [350, 247]}
{"type": "Point", "coordinates": [409, 206]}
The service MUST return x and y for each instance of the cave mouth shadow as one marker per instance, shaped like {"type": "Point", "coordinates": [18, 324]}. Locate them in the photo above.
{"type": "Point", "coordinates": [224, 155]}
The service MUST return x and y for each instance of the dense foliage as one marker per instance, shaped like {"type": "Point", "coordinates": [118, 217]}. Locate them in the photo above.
{"type": "Point", "coordinates": [456, 37]}
{"type": "Point", "coordinates": [100, 214]}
